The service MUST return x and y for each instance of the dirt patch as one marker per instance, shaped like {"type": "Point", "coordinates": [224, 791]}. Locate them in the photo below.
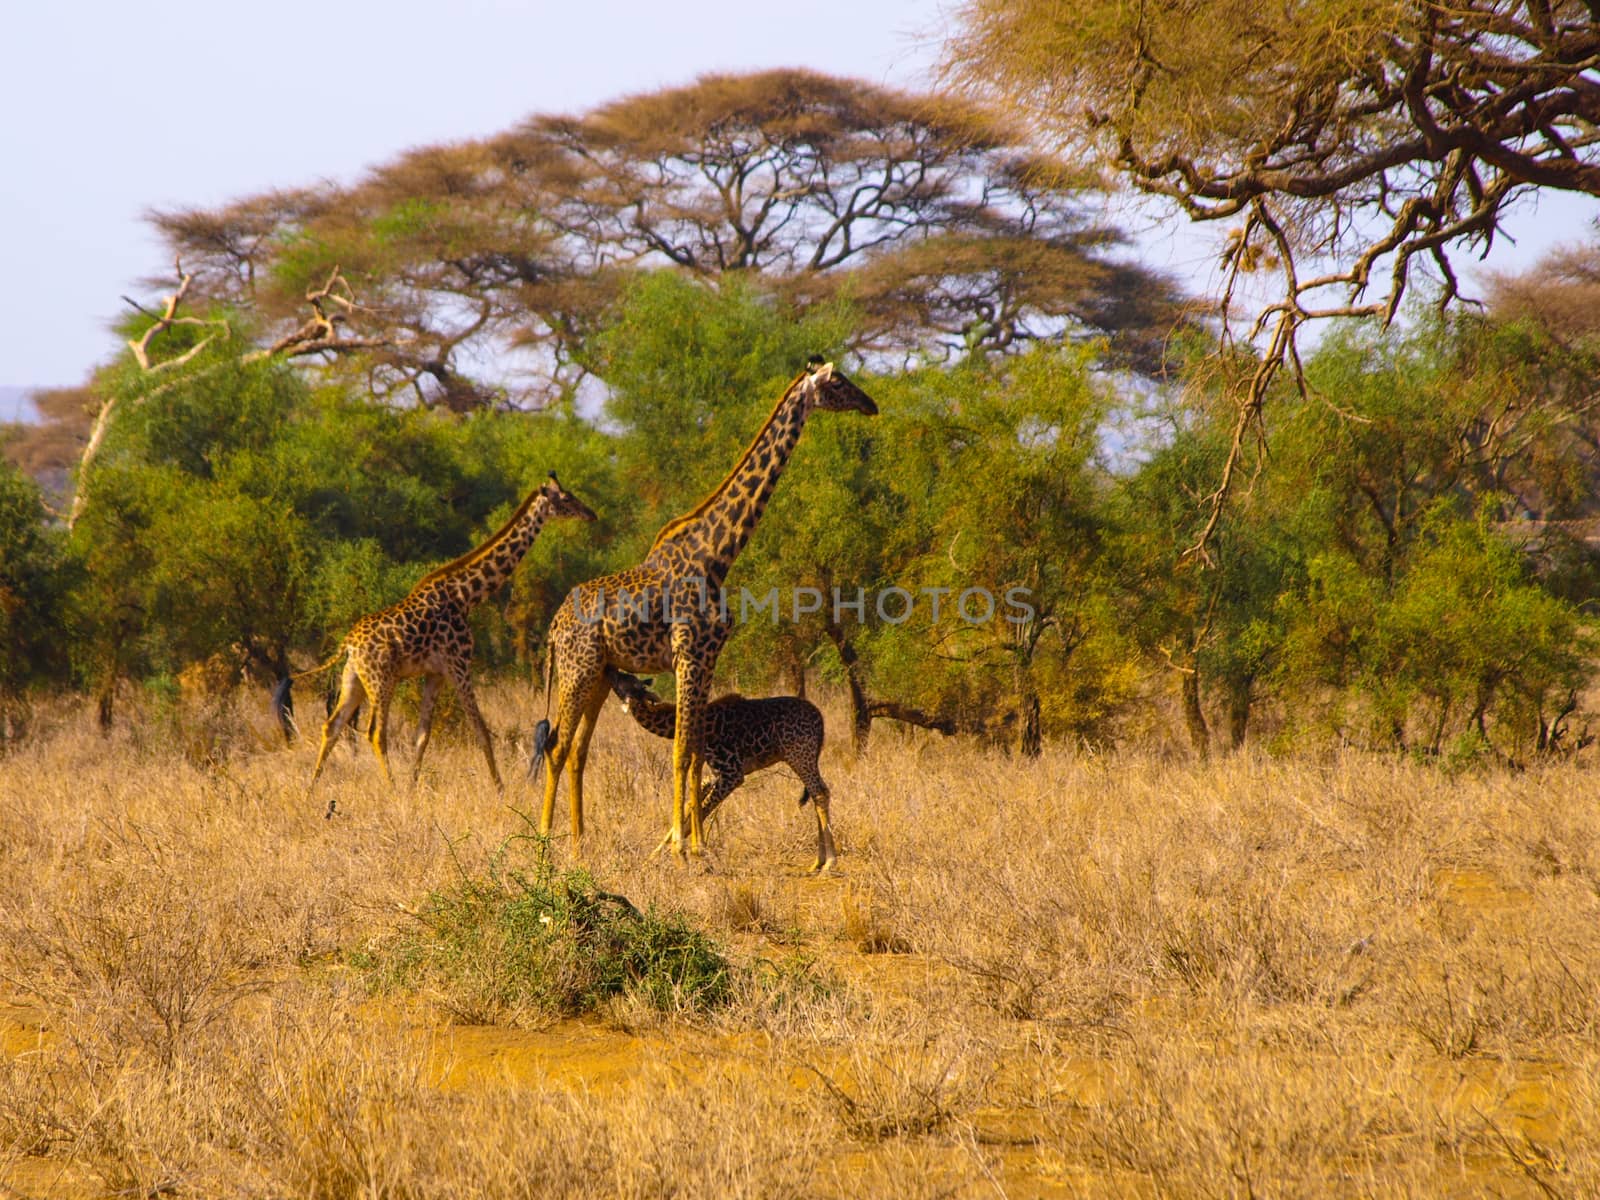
{"type": "Point", "coordinates": [1480, 891]}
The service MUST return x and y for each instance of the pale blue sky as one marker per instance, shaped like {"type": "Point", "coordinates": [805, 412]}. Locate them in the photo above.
{"type": "Point", "coordinates": [112, 108]}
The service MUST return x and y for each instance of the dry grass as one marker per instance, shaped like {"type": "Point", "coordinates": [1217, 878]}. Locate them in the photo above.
{"type": "Point", "coordinates": [1079, 976]}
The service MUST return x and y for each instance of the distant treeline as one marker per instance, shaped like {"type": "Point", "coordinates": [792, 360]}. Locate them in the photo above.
{"type": "Point", "coordinates": [350, 385]}
{"type": "Point", "coordinates": [1409, 568]}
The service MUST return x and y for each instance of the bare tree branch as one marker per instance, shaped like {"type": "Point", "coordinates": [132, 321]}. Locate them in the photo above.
{"type": "Point", "coordinates": [319, 334]}
{"type": "Point", "coordinates": [1351, 135]}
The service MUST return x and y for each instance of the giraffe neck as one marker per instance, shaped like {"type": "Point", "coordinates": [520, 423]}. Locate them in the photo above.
{"type": "Point", "coordinates": [471, 578]}
{"type": "Point", "coordinates": [708, 539]}
{"type": "Point", "coordinates": [654, 716]}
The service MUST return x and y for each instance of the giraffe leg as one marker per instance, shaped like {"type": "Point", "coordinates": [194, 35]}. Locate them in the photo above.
{"type": "Point", "coordinates": [696, 795]}
{"type": "Point", "coordinates": [687, 753]}
{"type": "Point", "coordinates": [351, 695]}
{"type": "Point", "coordinates": [726, 781]}
{"type": "Point", "coordinates": [430, 693]}
{"type": "Point", "coordinates": [462, 681]}
{"type": "Point", "coordinates": [572, 698]}
{"type": "Point", "coordinates": [826, 852]}
{"type": "Point", "coordinates": [580, 758]}
{"type": "Point", "coordinates": [804, 764]}
{"type": "Point", "coordinates": [381, 695]}
{"type": "Point", "coordinates": [720, 788]}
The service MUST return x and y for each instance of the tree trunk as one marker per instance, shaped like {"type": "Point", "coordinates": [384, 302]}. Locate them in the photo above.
{"type": "Point", "coordinates": [860, 709]}
{"type": "Point", "coordinates": [1029, 742]}
{"type": "Point", "coordinates": [1194, 717]}
{"type": "Point", "coordinates": [1551, 732]}
{"type": "Point", "coordinates": [105, 700]}
{"type": "Point", "coordinates": [1238, 711]}
{"type": "Point", "coordinates": [1437, 745]}
{"type": "Point", "coordinates": [106, 692]}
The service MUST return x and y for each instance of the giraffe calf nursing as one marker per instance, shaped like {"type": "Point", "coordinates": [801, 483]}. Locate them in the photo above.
{"type": "Point", "coordinates": [661, 616]}
{"type": "Point", "coordinates": [427, 634]}
{"type": "Point", "coordinates": [743, 736]}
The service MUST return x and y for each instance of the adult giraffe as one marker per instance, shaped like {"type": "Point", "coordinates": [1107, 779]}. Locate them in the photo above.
{"type": "Point", "coordinates": [666, 613]}
{"type": "Point", "coordinates": [427, 634]}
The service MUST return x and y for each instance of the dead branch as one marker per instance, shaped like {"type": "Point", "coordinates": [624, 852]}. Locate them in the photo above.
{"type": "Point", "coordinates": [331, 304]}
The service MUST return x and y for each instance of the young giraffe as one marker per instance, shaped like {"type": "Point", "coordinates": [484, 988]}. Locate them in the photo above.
{"type": "Point", "coordinates": [427, 634]}
{"type": "Point", "coordinates": [742, 737]}
{"type": "Point", "coordinates": [666, 613]}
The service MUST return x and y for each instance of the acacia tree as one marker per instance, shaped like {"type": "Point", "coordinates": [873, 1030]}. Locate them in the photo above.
{"type": "Point", "coordinates": [1356, 135]}
{"type": "Point", "coordinates": [486, 266]}
{"type": "Point", "coordinates": [1559, 296]}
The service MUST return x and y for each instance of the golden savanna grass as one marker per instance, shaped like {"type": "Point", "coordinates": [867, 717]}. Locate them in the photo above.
{"type": "Point", "coordinates": [1084, 975]}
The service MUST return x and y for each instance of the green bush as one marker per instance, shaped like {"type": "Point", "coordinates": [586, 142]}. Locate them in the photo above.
{"type": "Point", "coordinates": [532, 941]}
{"type": "Point", "coordinates": [34, 583]}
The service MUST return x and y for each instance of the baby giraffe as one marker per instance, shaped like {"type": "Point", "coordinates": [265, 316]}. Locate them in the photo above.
{"type": "Point", "coordinates": [427, 634]}
{"type": "Point", "coordinates": [744, 736]}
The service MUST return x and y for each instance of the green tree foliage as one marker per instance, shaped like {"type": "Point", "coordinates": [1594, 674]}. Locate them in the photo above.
{"type": "Point", "coordinates": [1406, 471]}
{"type": "Point", "coordinates": [237, 512]}
{"type": "Point", "coordinates": [1017, 542]}
{"type": "Point", "coordinates": [34, 588]}
{"type": "Point", "coordinates": [1419, 611]}
{"type": "Point", "coordinates": [1465, 650]}
{"type": "Point", "coordinates": [1216, 629]}
{"type": "Point", "coordinates": [1349, 142]}
{"type": "Point", "coordinates": [977, 494]}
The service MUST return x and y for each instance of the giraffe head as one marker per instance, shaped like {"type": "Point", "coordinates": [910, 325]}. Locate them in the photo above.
{"type": "Point", "coordinates": [628, 688]}
{"type": "Point", "coordinates": [825, 386]}
{"type": "Point", "coordinates": [562, 502]}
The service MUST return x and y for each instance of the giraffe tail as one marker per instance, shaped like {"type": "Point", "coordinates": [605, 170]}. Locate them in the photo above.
{"type": "Point", "coordinates": [543, 734]}
{"type": "Point", "coordinates": [283, 697]}
{"type": "Point", "coordinates": [321, 666]}
{"type": "Point", "coordinates": [549, 667]}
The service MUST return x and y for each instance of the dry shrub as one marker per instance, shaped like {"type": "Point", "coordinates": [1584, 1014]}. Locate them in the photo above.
{"type": "Point", "coordinates": [753, 906]}
{"type": "Point", "coordinates": [904, 1086]}
{"type": "Point", "coordinates": [138, 957]}
{"type": "Point", "coordinates": [868, 927]}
